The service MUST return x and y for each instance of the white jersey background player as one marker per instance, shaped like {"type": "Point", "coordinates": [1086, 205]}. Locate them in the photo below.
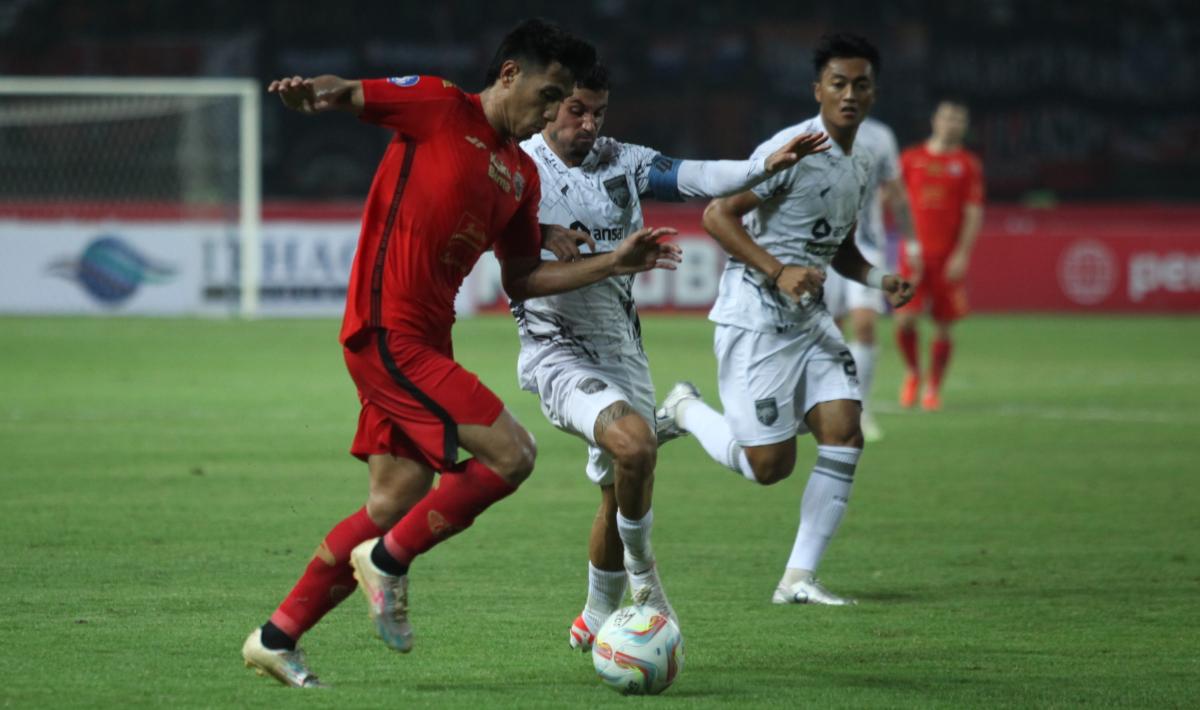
{"type": "Point", "coordinates": [782, 365]}
{"type": "Point", "coordinates": [859, 303]}
{"type": "Point", "coordinates": [581, 352]}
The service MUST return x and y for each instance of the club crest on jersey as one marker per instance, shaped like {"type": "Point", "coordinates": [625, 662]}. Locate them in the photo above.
{"type": "Point", "coordinates": [405, 81]}
{"type": "Point", "coordinates": [766, 411]}
{"type": "Point", "coordinates": [618, 191]}
{"type": "Point", "coordinates": [518, 186]}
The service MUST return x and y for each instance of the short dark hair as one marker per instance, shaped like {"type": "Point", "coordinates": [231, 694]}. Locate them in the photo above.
{"type": "Point", "coordinates": [595, 80]}
{"type": "Point", "coordinates": [542, 43]}
{"type": "Point", "coordinates": [844, 45]}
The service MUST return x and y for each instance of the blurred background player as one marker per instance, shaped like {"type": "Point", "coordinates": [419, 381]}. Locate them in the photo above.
{"type": "Point", "coordinates": [581, 352]}
{"type": "Point", "coordinates": [861, 304]}
{"type": "Point", "coordinates": [782, 365]}
{"type": "Point", "coordinates": [945, 189]}
{"type": "Point", "coordinates": [453, 183]}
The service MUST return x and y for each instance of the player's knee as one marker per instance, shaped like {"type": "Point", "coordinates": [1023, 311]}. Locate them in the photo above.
{"type": "Point", "coordinates": [515, 462]}
{"type": "Point", "coordinates": [850, 436]}
{"type": "Point", "coordinates": [772, 467]}
{"type": "Point", "coordinates": [632, 445]}
{"type": "Point", "coordinates": [386, 509]}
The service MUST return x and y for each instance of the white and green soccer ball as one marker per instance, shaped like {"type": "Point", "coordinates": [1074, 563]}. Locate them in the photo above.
{"type": "Point", "coordinates": [638, 651]}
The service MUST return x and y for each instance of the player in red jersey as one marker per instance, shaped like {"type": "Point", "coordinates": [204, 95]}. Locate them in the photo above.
{"type": "Point", "coordinates": [945, 189]}
{"type": "Point", "coordinates": [452, 184]}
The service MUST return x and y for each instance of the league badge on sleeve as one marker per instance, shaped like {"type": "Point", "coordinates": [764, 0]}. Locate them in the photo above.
{"type": "Point", "coordinates": [405, 81]}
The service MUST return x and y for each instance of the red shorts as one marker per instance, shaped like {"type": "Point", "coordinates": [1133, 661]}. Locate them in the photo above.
{"type": "Point", "coordinates": [947, 299]}
{"type": "Point", "coordinates": [414, 396]}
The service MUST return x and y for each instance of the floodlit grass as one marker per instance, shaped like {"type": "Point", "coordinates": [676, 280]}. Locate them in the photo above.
{"type": "Point", "coordinates": [1037, 543]}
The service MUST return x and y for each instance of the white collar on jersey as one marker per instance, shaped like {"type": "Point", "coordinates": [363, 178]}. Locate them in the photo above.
{"type": "Point", "coordinates": [834, 148]}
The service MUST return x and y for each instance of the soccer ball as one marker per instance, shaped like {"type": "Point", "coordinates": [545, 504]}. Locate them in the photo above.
{"type": "Point", "coordinates": [638, 651]}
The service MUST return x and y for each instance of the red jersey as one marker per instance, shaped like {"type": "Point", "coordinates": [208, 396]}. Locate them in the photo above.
{"type": "Point", "coordinates": [940, 186]}
{"type": "Point", "coordinates": [448, 188]}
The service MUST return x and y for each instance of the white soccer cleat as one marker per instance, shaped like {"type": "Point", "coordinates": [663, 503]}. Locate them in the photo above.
{"type": "Point", "coordinates": [582, 637]}
{"type": "Point", "coordinates": [666, 418]}
{"type": "Point", "coordinates": [808, 591]}
{"type": "Point", "coordinates": [287, 667]}
{"type": "Point", "coordinates": [387, 598]}
{"type": "Point", "coordinates": [647, 590]}
{"type": "Point", "coordinates": [870, 428]}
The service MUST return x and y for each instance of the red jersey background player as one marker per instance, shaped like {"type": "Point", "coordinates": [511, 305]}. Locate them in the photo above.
{"type": "Point", "coordinates": [945, 189]}
{"type": "Point", "coordinates": [452, 184]}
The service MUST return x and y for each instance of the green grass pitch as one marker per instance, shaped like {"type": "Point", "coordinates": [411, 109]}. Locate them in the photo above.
{"type": "Point", "coordinates": [1037, 543]}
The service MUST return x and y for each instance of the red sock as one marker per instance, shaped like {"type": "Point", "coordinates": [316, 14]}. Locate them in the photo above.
{"type": "Point", "coordinates": [907, 340]}
{"type": "Point", "coordinates": [328, 579]}
{"type": "Point", "coordinates": [941, 358]}
{"type": "Point", "coordinates": [446, 510]}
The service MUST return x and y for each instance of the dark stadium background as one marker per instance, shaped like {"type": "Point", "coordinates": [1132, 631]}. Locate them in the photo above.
{"type": "Point", "coordinates": [1072, 100]}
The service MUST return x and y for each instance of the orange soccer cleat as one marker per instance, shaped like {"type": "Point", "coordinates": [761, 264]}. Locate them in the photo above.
{"type": "Point", "coordinates": [908, 390]}
{"type": "Point", "coordinates": [932, 401]}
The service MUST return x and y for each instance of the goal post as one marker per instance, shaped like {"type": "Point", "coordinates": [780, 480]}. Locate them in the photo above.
{"type": "Point", "coordinates": [110, 144]}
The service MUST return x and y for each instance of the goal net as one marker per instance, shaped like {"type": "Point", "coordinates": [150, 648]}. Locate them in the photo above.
{"type": "Point", "coordinates": [129, 195]}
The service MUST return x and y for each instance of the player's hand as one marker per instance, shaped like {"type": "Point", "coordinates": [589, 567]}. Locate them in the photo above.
{"type": "Point", "coordinates": [565, 242]}
{"type": "Point", "coordinates": [800, 283]}
{"type": "Point", "coordinates": [644, 250]}
{"type": "Point", "coordinates": [795, 149]}
{"type": "Point", "coordinates": [956, 267]}
{"type": "Point", "coordinates": [299, 94]}
{"type": "Point", "coordinates": [899, 291]}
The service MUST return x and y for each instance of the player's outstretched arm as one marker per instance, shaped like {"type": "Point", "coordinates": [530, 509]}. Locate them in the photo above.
{"type": "Point", "coordinates": [643, 250]}
{"type": "Point", "coordinates": [722, 178]}
{"type": "Point", "coordinates": [723, 220]}
{"type": "Point", "coordinates": [849, 262]}
{"type": "Point", "coordinates": [319, 94]}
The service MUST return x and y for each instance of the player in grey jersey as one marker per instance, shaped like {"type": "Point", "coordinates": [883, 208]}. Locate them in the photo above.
{"type": "Point", "coordinates": [782, 366]}
{"type": "Point", "coordinates": [582, 353]}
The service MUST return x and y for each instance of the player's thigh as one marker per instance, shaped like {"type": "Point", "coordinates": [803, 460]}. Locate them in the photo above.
{"type": "Point", "coordinates": [757, 376]}
{"type": "Point", "coordinates": [587, 400]}
{"type": "Point", "coordinates": [425, 397]}
{"type": "Point", "coordinates": [949, 301]}
{"type": "Point", "coordinates": [830, 374]}
{"type": "Point", "coordinates": [836, 423]}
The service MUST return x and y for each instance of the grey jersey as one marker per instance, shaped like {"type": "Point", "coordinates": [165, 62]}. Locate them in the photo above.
{"type": "Point", "coordinates": [877, 139]}
{"type": "Point", "coordinates": [806, 213]}
{"type": "Point", "coordinates": [602, 197]}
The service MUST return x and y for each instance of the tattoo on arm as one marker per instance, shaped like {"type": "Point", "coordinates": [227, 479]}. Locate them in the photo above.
{"type": "Point", "coordinates": [610, 414]}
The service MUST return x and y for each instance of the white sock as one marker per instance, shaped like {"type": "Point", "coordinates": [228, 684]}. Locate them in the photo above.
{"type": "Point", "coordinates": [635, 535]}
{"type": "Point", "coordinates": [823, 504]}
{"type": "Point", "coordinates": [713, 432]}
{"type": "Point", "coordinates": [606, 591]}
{"type": "Point", "coordinates": [864, 359]}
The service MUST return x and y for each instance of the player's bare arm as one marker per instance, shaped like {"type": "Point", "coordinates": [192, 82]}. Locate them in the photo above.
{"type": "Point", "coordinates": [565, 243]}
{"type": "Point", "coordinates": [849, 262]}
{"type": "Point", "coordinates": [723, 220]}
{"type": "Point", "coordinates": [896, 199]}
{"type": "Point", "coordinates": [960, 258]}
{"type": "Point", "coordinates": [641, 251]}
{"type": "Point", "coordinates": [319, 94]}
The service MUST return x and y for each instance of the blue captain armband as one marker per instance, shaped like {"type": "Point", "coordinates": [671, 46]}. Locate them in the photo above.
{"type": "Point", "coordinates": [664, 179]}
